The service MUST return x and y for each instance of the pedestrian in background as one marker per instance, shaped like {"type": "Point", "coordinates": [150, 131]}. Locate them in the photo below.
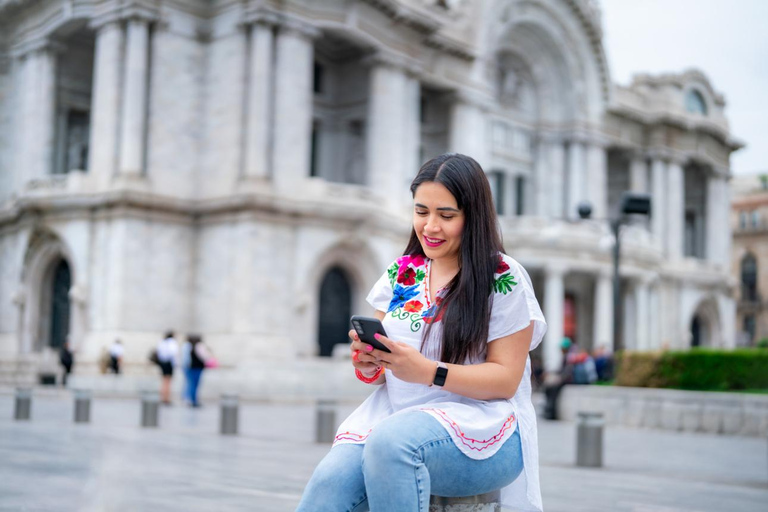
{"type": "Point", "coordinates": [116, 356]}
{"type": "Point", "coordinates": [200, 357]}
{"type": "Point", "coordinates": [67, 360]}
{"type": "Point", "coordinates": [167, 352]}
{"type": "Point", "coordinates": [186, 364]}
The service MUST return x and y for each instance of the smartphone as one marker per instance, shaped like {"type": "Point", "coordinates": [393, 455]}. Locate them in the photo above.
{"type": "Point", "coordinates": [366, 327]}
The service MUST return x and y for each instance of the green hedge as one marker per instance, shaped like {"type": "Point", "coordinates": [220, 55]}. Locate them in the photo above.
{"type": "Point", "coordinates": [696, 369]}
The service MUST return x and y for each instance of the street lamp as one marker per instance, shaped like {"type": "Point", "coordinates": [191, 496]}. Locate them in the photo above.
{"type": "Point", "coordinates": [631, 203]}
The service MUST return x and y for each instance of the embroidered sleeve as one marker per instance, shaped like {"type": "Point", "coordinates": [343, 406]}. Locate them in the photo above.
{"type": "Point", "coordinates": [514, 304]}
{"type": "Point", "coordinates": [380, 295]}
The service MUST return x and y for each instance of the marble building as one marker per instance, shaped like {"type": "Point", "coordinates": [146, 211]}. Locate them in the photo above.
{"type": "Point", "coordinates": [240, 169]}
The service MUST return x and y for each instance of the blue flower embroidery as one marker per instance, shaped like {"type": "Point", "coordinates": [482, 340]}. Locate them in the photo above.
{"type": "Point", "coordinates": [401, 295]}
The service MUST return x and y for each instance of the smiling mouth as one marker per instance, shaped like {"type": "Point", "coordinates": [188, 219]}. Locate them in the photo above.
{"type": "Point", "coordinates": [432, 242]}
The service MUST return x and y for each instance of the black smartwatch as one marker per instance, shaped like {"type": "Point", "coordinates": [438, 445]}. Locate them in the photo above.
{"type": "Point", "coordinates": [440, 374]}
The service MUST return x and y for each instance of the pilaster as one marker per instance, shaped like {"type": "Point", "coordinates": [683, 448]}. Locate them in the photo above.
{"type": "Point", "coordinates": [603, 311]}
{"type": "Point", "coordinates": [554, 295]}
{"type": "Point", "coordinates": [134, 104]}
{"type": "Point", "coordinates": [659, 202]}
{"type": "Point", "coordinates": [260, 99]}
{"type": "Point", "coordinates": [675, 210]}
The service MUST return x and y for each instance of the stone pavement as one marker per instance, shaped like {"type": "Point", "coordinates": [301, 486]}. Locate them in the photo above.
{"type": "Point", "coordinates": [112, 464]}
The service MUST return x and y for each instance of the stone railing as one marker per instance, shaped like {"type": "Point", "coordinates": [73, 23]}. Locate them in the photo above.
{"type": "Point", "coordinates": [670, 409]}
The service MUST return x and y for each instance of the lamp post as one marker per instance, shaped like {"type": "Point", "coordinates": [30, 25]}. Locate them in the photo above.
{"type": "Point", "coordinates": [631, 203]}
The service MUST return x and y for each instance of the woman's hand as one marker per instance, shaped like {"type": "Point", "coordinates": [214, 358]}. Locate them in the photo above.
{"type": "Point", "coordinates": [361, 356]}
{"type": "Point", "coordinates": [405, 362]}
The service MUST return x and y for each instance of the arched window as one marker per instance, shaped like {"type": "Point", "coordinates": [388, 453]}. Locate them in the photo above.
{"type": "Point", "coordinates": [335, 310]}
{"type": "Point", "coordinates": [694, 103]}
{"type": "Point", "coordinates": [748, 278]}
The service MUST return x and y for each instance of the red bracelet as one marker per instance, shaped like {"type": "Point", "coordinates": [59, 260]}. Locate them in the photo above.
{"type": "Point", "coordinates": [368, 380]}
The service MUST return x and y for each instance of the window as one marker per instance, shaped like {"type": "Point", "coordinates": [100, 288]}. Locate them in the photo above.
{"type": "Point", "coordinates": [313, 165]}
{"type": "Point", "coordinates": [755, 219]}
{"type": "Point", "coordinates": [749, 278]}
{"type": "Point", "coordinates": [694, 103]}
{"type": "Point", "coordinates": [749, 327]}
{"type": "Point", "coordinates": [317, 78]}
{"type": "Point", "coordinates": [519, 195]}
{"type": "Point", "coordinates": [743, 220]}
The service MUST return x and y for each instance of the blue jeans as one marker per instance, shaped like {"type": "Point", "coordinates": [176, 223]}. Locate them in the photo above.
{"type": "Point", "coordinates": [194, 383]}
{"type": "Point", "coordinates": [406, 458]}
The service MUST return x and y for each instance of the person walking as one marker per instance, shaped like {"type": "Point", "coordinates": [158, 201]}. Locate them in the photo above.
{"type": "Point", "coordinates": [116, 352]}
{"type": "Point", "coordinates": [167, 352]}
{"type": "Point", "coordinates": [452, 413]}
{"type": "Point", "coordinates": [67, 360]}
{"type": "Point", "coordinates": [200, 355]}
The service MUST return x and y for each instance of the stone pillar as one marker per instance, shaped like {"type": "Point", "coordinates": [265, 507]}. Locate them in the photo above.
{"type": "Point", "coordinates": [387, 119]}
{"type": "Point", "coordinates": [597, 172]}
{"type": "Point", "coordinates": [642, 316]}
{"type": "Point", "coordinates": [293, 104]}
{"type": "Point", "coordinates": [467, 129]}
{"type": "Point", "coordinates": [105, 102]}
{"type": "Point", "coordinates": [659, 203]}
{"type": "Point", "coordinates": [554, 296]}
{"type": "Point", "coordinates": [134, 107]}
{"type": "Point", "coordinates": [551, 179]}
{"type": "Point", "coordinates": [37, 105]}
{"type": "Point", "coordinates": [638, 173]}
{"type": "Point", "coordinates": [603, 310]}
{"type": "Point", "coordinates": [675, 210]}
{"type": "Point", "coordinates": [577, 178]}
{"type": "Point", "coordinates": [717, 228]}
{"type": "Point", "coordinates": [259, 118]}
{"type": "Point", "coordinates": [412, 133]}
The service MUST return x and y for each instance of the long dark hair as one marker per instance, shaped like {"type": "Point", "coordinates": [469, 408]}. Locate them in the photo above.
{"type": "Point", "coordinates": [466, 307]}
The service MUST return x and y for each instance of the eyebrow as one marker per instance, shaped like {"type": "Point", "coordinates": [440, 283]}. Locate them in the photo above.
{"type": "Point", "coordinates": [443, 208]}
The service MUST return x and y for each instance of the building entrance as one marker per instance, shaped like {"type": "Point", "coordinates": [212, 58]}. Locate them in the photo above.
{"type": "Point", "coordinates": [335, 310]}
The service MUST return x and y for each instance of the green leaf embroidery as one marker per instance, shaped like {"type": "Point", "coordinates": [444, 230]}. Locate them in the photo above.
{"type": "Point", "coordinates": [392, 274]}
{"type": "Point", "coordinates": [504, 283]}
{"type": "Point", "coordinates": [420, 275]}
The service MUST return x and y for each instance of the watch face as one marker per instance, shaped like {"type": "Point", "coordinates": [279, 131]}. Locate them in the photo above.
{"type": "Point", "coordinates": [440, 375]}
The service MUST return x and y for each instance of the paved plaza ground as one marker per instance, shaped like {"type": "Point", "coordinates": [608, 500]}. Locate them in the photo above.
{"type": "Point", "coordinates": [112, 464]}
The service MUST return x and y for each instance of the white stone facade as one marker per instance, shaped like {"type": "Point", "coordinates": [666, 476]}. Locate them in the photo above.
{"type": "Point", "coordinates": [235, 152]}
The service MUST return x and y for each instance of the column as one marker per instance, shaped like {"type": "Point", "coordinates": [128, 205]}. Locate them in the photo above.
{"type": "Point", "coordinates": [597, 171]}
{"type": "Point", "coordinates": [387, 120]}
{"type": "Point", "coordinates": [467, 129]}
{"type": "Point", "coordinates": [37, 106]}
{"type": "Point", "coordinates": [642, 318]}
{"type": "Point", "coordinates": [554, 294]}
{"type": "Point", "coordinates": [577, 179]}
{"type": "Point", "coordinates": [716, 220]}
{"type": "Point", "coordinates": [554, 181]}
{"type": "Point", "coordinates": [293, 104]}
{"type": "Point", "coordinates": [659, 203]}
{"type": "Point", "coordinates": [675, 210]}
{"type": "Point", "coordinates": [638, 173]}
{"type": "Point", "coordinates": [134, 108]}
{"type": "Point", "coordinates": [105, 102]}
{"type": "Point", "coordinates": [259, 117]}
{"type": "Point", "coordinates": [603, 310]}
{"type": "Point", "coordinates": [412, 133]}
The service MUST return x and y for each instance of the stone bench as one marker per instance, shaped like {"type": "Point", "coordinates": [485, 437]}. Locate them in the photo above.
{"type": "Point", "coordinates": [489, 502]}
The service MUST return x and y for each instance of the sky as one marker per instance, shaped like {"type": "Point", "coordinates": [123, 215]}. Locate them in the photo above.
{"type": "Point", "coordinates": [726, 39]}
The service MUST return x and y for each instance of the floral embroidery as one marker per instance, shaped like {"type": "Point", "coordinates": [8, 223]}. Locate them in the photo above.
{"type": "Point", "coordinates": [415, 318]}
{"type": "Point", "coordinates": [392, 273]}
{"type": "Point", "coordinates": [407, 277]}
{"type": "Point", "coordinates": [401, 295]}
{"type": "Point", "coordinates": [415, 260]}
{"type": "Point", "coordinates": [429, 314]}
{"type": "Point", "coordinates": [505, 282]}
{"type": "Point", "coordinates": [413, 306]}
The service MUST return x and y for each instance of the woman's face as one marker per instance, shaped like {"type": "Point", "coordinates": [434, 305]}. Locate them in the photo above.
{"type": "Point", "coordinates": [437, 220]}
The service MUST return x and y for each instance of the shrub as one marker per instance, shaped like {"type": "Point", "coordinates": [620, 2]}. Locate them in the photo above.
{"type": "Point", "coordinates": [763, 343]}
{"type": "Point", "coordinates": [696, 369]}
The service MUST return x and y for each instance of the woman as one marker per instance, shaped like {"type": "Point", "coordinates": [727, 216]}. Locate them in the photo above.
{"type": "Point", "coordinates": [452, 415]}
{"type": "Point", "coordinates": [199, 356]}
{"type": "Point", "coordinates": [167, 352]}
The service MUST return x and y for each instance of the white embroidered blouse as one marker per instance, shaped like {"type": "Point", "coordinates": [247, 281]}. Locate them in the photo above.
{"type": "Point", "coordinates": [478, 427]}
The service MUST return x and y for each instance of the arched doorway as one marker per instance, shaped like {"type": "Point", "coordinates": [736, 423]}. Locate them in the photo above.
{"type": "Point", "coordinates": [696, 332]}
{"type": "Point", "coordinates": [59, 317]}
{"type": "Point", "coordinates": [704, 329]}
{"type": "Point", "coordinates": [334, 311]}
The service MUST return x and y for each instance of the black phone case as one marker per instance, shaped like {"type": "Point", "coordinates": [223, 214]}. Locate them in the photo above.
{"type": "Point", "coordinates": [366, 327]}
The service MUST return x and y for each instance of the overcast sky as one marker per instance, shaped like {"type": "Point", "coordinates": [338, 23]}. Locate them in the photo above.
{"type": "Point", "coordinates": [726, 39]}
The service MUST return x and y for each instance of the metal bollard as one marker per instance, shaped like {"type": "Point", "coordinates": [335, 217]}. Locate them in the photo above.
{"type": "Point", "coordinates": [229, 404]}
{"type": "Point", "coordinates": [589, 440]}
{"type": "Point", "coordinates": [325, 421]}
{"type": "Point", "coordinates": [150, 404]}
{"type": "Point", "coordinates": [489, 502]}
{"type": "Point", "coordinates": [23, 406]}
{"type": "Point", "coordinates": [82, 406]}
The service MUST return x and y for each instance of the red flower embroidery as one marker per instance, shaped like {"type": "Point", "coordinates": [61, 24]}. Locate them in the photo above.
{"type": "Point", "coordinates": [407, 277]}
{"type": "Point", "coordinates": [502, 266]}
{"type": "Point", "coordinates": [413, 306]}
{"type": "Point", "coordinates": [417, 260]}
